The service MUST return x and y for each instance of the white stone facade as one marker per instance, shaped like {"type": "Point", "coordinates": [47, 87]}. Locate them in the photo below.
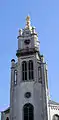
{"type": "Point", "coordinates": [53, 110]}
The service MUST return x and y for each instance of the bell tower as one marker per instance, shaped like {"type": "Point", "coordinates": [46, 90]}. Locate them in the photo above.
{"type": "Point", "coordinates": [29, 84]}
{"type": "Point", "coordinates": [28, 42]}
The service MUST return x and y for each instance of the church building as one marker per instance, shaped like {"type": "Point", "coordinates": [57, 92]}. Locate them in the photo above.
{"type": "Point", "coordinates": [29, 99]}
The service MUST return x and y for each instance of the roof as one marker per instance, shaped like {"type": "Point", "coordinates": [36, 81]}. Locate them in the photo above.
{"type": "Point", "coordinates": [6, 110]}
{"type": "Point", "coordinates": [53, 102]}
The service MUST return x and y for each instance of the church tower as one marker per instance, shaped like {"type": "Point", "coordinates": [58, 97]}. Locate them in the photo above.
{"type": "Point", "coordinates": [29, 84]}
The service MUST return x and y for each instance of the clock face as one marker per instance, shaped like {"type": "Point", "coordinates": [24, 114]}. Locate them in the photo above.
{"type": "Point", "coordinates": [27, 41]}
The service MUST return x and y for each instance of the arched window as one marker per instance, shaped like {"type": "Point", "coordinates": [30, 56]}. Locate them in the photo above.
{"type": "Point", "coordinates": [15, 77]}
{"type": "Point", "coordinates": [24, 70]}
{"type": "Point", "coordinates": [28, 112]}
{"type": "Point", "coordinates": [30, 67]}
{"type": "Point", "coordinates": [7, 118]}
{"type": "Point", "coordinates": [39, 72]}
{"type": "Point", "coordinates": [55, 117]}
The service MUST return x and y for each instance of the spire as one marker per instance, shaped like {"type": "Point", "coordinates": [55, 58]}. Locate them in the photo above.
{"type": "Point", "coordinates": [28, 22]}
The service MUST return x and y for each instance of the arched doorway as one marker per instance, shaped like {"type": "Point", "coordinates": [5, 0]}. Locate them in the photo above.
{"type": "Point", "coordinates": [55, 117]}
{"type": "Point", "coordinates": [28, 112]}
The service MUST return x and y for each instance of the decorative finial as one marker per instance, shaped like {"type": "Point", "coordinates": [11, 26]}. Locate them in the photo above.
{"type": "Point", "coordinates": [28, 21]}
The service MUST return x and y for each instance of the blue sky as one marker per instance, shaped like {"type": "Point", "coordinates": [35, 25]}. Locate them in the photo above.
{"type": "Point", "coordinates": [45, 17]}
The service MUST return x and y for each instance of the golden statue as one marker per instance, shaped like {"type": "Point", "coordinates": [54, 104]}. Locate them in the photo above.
{"type": "Point", "coordinates": [28, 21]}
